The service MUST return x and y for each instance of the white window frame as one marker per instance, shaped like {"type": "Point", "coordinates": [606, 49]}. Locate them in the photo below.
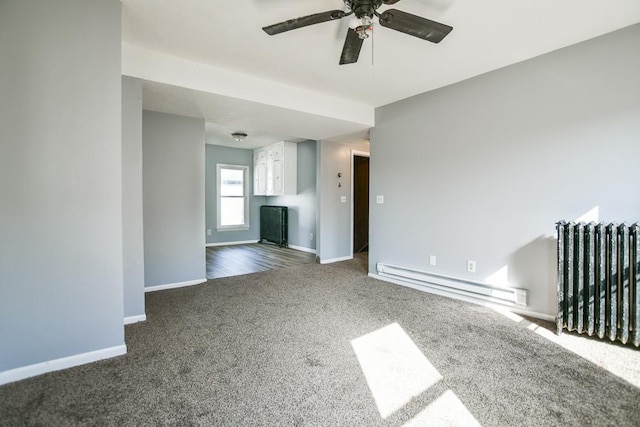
{"type": "Point", "coordinates": [245, 177]}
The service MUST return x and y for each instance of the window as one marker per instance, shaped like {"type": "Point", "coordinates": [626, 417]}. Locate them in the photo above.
{"type": "Point", "coordinates": [233, 202]}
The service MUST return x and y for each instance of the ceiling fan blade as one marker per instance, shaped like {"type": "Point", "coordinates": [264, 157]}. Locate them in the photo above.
{"type": "Point", "coordinates": [304, 21]}
{"type": "Point", "coordinates": [351, 49]}
{"type": "Point", "coordinates": [414, 25]}
{"type": "Point", "coordinates": [390, 1]}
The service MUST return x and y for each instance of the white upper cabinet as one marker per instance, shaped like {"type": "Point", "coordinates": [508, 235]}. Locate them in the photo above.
{"type": "Point", "coordinates": [275, 169]}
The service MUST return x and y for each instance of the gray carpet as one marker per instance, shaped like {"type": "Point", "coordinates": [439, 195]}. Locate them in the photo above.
{"type": "Point", "coordinates": [274, 348]}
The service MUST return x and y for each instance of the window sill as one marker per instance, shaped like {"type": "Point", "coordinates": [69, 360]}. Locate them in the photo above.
{"type": "Point", "coordinates": [239, 228]}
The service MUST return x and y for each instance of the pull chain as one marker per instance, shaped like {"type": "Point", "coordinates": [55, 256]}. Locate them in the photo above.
{"type": "Point", "coordinates": [372, 37]}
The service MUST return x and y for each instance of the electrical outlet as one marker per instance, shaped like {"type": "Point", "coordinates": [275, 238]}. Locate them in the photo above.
{"type": "Point", "coordinates": [432, 260]}
{"type": "Point", "coordinates": [343, 199]}
{"type": "Point", "coordinates": [310, 236]}
{"type": "Point", "coordinates": [209, 232]}
{"type": "Point", "coordinates": [380, 199]}
{"type": "Point", "coordinates": [471, 266]}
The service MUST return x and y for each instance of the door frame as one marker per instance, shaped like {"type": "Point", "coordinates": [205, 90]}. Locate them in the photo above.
{"type": "Point", "coordinates": [355, 153]}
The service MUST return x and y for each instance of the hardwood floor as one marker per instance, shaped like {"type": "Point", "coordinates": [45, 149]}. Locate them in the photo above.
{"type": "Point", "coordinates": [234, 260]}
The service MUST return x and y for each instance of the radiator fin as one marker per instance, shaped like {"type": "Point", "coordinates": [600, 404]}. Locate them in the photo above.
{"type": "Point", "coordinates": [635, 273]}
{"type": "Point", "coordinates": [599, 280]}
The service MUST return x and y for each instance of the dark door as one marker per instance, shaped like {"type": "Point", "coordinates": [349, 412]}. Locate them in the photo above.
{"type": "Point", "coordinates": [360, 204]}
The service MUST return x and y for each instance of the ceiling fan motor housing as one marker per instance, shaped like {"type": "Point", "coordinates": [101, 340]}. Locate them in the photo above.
{"type": "Point", "coordinates": [363, 8]}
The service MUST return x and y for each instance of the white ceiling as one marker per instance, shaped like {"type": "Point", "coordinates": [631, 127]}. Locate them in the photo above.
{"type": "Point", "coordinates": [294, 78]}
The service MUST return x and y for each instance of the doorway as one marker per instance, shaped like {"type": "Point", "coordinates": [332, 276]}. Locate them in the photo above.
{"type": "Point", "coordinates": [360, 238]}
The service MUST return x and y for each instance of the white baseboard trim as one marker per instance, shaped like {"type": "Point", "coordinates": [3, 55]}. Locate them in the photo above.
{"type": "Point", "coordinates": [332, 260]}
{"type": "Point", "coordinates": [173, 285]}
{"type": "Point", "coordinates": [534, 314]}
{"type": "Point", "coordinates": [29, 371]}
{"type": "Point", "coordinates": [303, 249]}
{"type": "Point", "coordinates": [245, 242]}
{"type": "Point", "coordinates": [460, 297]}
{"type": "Point", "coordinates": [135, 319]}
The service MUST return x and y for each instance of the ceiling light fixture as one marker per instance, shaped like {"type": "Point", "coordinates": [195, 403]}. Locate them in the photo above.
{"type": "Point", "coordinates": [239, 136]}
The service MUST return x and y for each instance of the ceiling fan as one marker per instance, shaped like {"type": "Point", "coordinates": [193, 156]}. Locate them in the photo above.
{"type": "Point", "coordinates": [364, 12]}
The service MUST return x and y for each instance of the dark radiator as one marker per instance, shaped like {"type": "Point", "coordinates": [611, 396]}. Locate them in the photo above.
{"type": "Point", "coordinates": [274, 225]}
{"type": "Point", "coordinates": [599, 280]}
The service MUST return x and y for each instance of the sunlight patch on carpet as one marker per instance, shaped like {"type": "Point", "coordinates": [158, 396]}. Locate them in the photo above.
{"type": "Point", "coordinates": [608, 356]}
{"type": "Point", "coordinates": [395, 369]}
{"type": "Point", "coordinates": [611, 357]}
{"type": "Point", "coordinates": [446, 410]}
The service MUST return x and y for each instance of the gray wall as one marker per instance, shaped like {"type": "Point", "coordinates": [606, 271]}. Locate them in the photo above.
{"type": "Point", "coordinates": [230, 156]}
{"type": "Point", "coordinates": [334, 217]}
{"type": "Point", "coordinates": [173, 187]}
{"type": "Point", "coordinates": [60, 180]}
{"type": "Point", "coordinates": [483, 169]}
{"type": "Point", "coordinates": [132, 227]}
{"type": "Point", "coordinates": [302, 206]}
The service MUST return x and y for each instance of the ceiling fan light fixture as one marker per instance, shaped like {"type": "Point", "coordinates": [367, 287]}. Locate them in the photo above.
{"type": "Point", "coordinates": [239, 136]}
{"type": "Point", "coordinates": [365, 27]}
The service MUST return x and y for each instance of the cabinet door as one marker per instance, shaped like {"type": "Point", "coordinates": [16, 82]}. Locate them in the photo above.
{"type": "Point", "coordinates": [260, 179]}
{"type": "Point", "coordinates": [259, 156]}
{"type": "Point", "coordinates": [269, 179]}
{"type": "Point", "coordinates": [277, 151]}
{"type": "Point", "coordinates": [278, 182]}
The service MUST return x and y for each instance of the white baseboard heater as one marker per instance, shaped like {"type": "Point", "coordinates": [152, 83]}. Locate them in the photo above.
{"type": "Point", "coordinates": [467, 288]}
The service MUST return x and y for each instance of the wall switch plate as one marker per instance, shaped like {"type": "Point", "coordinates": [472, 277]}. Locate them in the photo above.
{"type": "Point", "coordinates": [432, 260]}
{"type": "Point", "coordinates": [209, 232]}
{"type": "Point", "coordinates": [471, 266]}
{"type": "Point", "coordinates": [343, 199]}
{"type": "Point", "coordinates": [310, 236]}
{"type": "Point", "coordinates": [380, 199]}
